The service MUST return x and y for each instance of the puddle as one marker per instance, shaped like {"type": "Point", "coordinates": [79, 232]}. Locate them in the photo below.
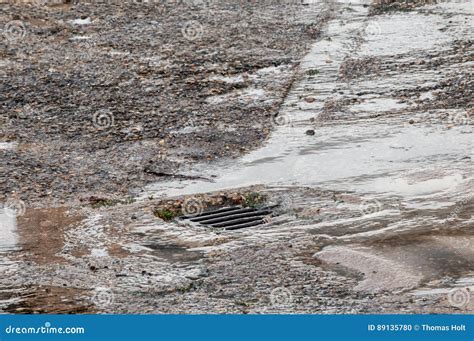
{"type": "Point", "coordinates": [378, 105]}
{"type": "Point", "coordinates": [8, 231]}
{"type": "Point", "coordinates": [47, 300]}
{"type": "Point", "coordinates": [405, 262]}
{"type": "Point", "coordinates": [410, 188]}
{"type": "Point", "coordinates": [56, 261]}
{"type": "Point", "coordinates": [41, 233]}
{"type": "Point", "coordinates": [423, 168]}
{"type": "Point", "coordinates": [403, 33]}
{"type": "Point", "coordinates": [379, 273]}
{"type": "Point", "coordinates": [30, 243]}
{"type": "Point", "coordinates": [378, 153]}
{"type": "Point", "coordinates": [463, 286]}
{"type": "Point", "coordinates": [36, 237]}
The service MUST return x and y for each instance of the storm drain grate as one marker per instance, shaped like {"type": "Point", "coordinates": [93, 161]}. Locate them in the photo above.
{"type": "Point", "coordinates": [231, 218]}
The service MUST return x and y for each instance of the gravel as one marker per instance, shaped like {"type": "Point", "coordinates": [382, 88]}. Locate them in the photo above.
{"type": "Point", "coordinates": [95, 94]}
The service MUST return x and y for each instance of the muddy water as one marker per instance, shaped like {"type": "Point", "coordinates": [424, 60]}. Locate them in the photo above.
{"type": "Point", "coordinates": [377, 147]}
{"type": "Point", "coordinates": [38, 232]}
{"type": "Point", "coordinates": [396, 177]}
{"type": "Point", "coordinates": [30, 245]}
{"type": "Point", "coordinates": [60, 260]}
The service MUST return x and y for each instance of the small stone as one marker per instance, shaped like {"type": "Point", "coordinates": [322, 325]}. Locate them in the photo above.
{"type": "Point", "coordinates": [411, 121]}
{"type": "Point", "coordinates": [310, 132]}
{"type": "Point", "coordinates": [310, 99]}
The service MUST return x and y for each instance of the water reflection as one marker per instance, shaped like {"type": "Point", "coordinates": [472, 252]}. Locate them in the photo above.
{"type": "Point", "coordinates": [8, 230]}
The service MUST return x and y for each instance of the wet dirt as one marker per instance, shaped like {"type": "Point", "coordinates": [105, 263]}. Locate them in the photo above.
{"type": "Point", "coordinates": [138, 86]}
{"type": "Point", "coordinates": [34, 241]}
{"type": "Point", "coordinates": [405, 170]}
{"type": "Point", "coordinates": [375, 208]}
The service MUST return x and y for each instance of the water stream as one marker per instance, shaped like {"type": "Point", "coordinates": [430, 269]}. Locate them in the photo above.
{"type": "Point", "coordinates": [369, 146]}
{"type": "Point", "coordinates": [357, 136]}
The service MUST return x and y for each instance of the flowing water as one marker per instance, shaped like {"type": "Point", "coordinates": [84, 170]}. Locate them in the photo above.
{"type": "Point", "coordinates": [377, 146]}
{"type": "Point", "coordinates": [405, 175]}
{"type": "Point", "coordinates": [368, 146]}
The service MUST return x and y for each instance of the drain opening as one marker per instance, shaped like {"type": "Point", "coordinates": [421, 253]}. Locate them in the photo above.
{"type": "Point", "coordinates": [231, 218]}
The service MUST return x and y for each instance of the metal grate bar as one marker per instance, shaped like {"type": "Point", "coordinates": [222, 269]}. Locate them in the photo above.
{"type": "Point", "coordinates": [222, 210]}
{"type": "Point", "coordinates": [231, 218]}
{"type": "Point", "coordinates": [235, 216]}
{"type": "Point", "coordinates": [241, 226]}
{"type": "Point", "coordinates": [237, 221]}
{"type": "Point", "coordinates": [219, 215]}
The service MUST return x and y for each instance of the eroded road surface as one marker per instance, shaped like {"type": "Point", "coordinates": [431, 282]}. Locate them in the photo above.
{"type": "Point", "coordinates": [370, 164]}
